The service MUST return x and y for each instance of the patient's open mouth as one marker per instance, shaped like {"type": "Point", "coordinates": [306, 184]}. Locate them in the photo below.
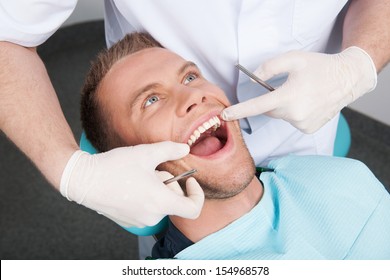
{"type": "Point", "coordinates": [208, 138]}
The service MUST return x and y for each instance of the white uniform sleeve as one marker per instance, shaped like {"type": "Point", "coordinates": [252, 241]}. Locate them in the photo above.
{"type": "Point", "coordinates": [31, 22]}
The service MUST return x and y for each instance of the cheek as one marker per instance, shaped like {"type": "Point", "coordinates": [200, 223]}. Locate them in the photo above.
{"type": "Point", "coordinates": [155, 130]}
{"type": "Point", "coordinates": [133, 131]}
{"type": "Point", "coordinates": [218, 94]}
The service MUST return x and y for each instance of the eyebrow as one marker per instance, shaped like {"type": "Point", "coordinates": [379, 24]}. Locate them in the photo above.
{"type": "Point", "coordinates": [184, 68]}
{"type": "Point", "coordinates": [142, 91]}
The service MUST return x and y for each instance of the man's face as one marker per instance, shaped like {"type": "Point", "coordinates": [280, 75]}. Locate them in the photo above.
{"type": "Point", "coordinates": [155, 95]}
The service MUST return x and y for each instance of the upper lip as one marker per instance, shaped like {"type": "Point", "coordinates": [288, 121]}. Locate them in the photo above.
{"type": "Point", "coordinates": [200, 121]}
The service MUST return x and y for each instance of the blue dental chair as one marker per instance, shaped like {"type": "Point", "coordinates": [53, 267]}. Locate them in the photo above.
{"type": "Point", "coordinates": [341, 148]}
{"type": "Point", "coordinates": [342, 143]}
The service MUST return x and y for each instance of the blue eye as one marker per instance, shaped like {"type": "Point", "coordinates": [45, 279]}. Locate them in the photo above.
{"type": "Point", "coordinates": [190, 77]}
{"type": "Point", "coordinates": [151, 100]}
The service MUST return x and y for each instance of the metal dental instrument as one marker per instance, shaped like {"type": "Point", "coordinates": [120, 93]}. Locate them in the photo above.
{"type": "Point", "coordinates": [253, 77]}
{"type": "Point", "coordinates": [181, 176]}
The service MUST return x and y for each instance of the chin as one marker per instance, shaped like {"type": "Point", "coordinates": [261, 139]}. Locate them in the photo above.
{"type": "Point", "coordinates": [228, 182]}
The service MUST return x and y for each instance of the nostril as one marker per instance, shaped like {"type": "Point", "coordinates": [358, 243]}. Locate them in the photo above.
{"type": "Point", "coordinates": [191, 107]}
{"type": "Point", "coordinates": [195, 102]}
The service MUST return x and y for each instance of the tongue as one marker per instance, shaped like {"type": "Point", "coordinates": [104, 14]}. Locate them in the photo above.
{"type": "Point", "coordinates": [207, 146]}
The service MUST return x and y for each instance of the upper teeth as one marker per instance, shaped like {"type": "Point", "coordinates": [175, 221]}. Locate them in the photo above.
{"type": "Point", "coordinates": [214, 122]}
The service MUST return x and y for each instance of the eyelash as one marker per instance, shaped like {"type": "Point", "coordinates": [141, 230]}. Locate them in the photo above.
{"type": "Point", "coordinates": [192, 73]}
{"type": "Point", "coordinates": [148, 98]}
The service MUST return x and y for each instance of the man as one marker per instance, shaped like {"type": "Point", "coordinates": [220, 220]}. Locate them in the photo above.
{"type": "Point", "coordinates": [217, 35]}
{"type": "Point", "coordinates": [307, 208]}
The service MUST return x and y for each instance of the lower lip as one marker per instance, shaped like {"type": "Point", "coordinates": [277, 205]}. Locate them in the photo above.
{"type": "Point", "coordinates": [222, 152]}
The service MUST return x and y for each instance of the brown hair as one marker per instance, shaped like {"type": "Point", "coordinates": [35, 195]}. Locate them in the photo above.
{"type": "Point", "coordinates": [94, 118]}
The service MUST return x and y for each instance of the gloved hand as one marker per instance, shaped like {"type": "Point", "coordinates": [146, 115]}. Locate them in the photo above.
{"type": "Point", "coordinates": [317, 88]}
{"type": "Point", "coordinates": [122, 184]}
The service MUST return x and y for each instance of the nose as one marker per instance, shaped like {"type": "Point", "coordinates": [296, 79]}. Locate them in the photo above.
{"type": "Point", "coordinates": [188, 98]}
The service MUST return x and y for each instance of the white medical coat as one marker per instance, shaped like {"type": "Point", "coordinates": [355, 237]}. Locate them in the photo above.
{"type": "Point", "coordinates": [215, 35]}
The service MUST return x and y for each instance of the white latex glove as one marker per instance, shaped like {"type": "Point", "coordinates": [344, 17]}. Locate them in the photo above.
{"type": "Point", "coordinates": [317, 88]}
{"type": "Point", "coordinates": [123, 185]}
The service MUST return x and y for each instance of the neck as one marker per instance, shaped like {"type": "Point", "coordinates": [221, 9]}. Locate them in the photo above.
{"type": "Point", "coordinates": [218, 213]}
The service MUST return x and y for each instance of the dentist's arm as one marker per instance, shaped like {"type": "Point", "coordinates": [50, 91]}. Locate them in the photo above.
{"type": "Point", "coordinates": [30, 114]}
{"type": "Point", "coordinates": [120, 184]}
{"type": "Point", "coordinates": [367, 26]}
{"type": "Point", "coordinates": [320, 85]}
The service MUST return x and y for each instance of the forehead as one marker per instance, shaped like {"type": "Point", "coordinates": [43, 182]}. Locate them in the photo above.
{"type": "Point", "coordinates": [145, 62]}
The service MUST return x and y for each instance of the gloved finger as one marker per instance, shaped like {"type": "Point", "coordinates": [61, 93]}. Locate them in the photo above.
{"type": "Point", "coordinates": [174, 186]}
{"type": "Point", "coordinates": [312, 125]}
{"type": "Point", "coordinates": [149, 219]}
{"type": "Point", "coordinates": [284, 63]}
{"type": "Point", "coordinates": [160, 152]}
{"type": "Point", "coordinates": [191, 205]}
{"type": "Point", "coordinates": [255, 106]}
{"type": "Point", "coordinates": [163, 175]}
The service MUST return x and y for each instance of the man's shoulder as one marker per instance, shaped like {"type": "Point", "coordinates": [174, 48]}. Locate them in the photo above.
{"type": "Point", "coordinates": [326, 172]}
{"type": "Point", "coordinates": [318, 164]}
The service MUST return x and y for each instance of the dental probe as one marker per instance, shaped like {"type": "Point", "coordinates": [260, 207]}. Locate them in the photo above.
{"type": "Point", "coordinates": [253, 77]}
{"type": "Point", "coordinates": [181, 176]}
